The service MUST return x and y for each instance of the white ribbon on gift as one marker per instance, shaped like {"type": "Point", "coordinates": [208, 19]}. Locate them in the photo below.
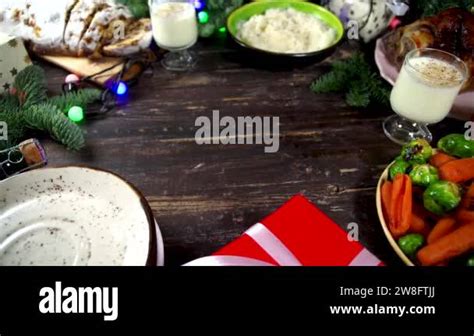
{"type": "Point", "coordinates": [275, 248]}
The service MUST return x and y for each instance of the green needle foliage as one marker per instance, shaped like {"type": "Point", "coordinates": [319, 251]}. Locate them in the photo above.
{"type": "Point", "coordinates": [139, 8]}
{"type": "Point", "coordinates": [433, 7]}
{"type": "Point", "coordinates": [49, 118]}
{"type": "Point", "coordinates": [75, 98]}
{"type": "Point", "coordinates": [354, 77]}
{"type": "Point", "coordinates": [218, 11]}
{"type": "Point", "coordinates": [27, 107]}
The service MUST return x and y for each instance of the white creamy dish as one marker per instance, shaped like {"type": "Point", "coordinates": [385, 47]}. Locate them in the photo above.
{"type": "Point", "coordinates": [174, 25]}
{"type": "Point", "coordinates": [286, 31]}
{"type": "Point", "coordinates": [436, 83]}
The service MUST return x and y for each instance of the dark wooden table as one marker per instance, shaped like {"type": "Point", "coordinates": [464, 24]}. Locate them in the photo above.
{"type": "Point", "coordinates": [205, 196]}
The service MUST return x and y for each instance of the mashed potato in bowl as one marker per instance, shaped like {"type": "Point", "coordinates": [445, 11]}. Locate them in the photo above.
{"type": "Point", "coordinates": [286, 31]}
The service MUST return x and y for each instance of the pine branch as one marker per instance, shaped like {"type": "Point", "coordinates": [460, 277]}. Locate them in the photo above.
{"type": "Point", "coordinates": [9, 102]}
{"type": "Point", "coordinates": [139, 8]}
{"type": "Point", "coordinates": [218, 12]}
{"type": "Point", "coordinates": [15, 128]}
{"type": "Point", "coordinates": [331, 82]}
{"type": "Point", "coordinates": [82, 97]}
{"type": "Point", "coordinates": [433, 7]}
{"type": "Point", "coordinates": [47, 117]}
{"type": "Point", "coordinates": [355, 77]}
{"type": "Point", "coordinates": [30, 86]}
{"type": "Point", "coordinates": [358, 95]}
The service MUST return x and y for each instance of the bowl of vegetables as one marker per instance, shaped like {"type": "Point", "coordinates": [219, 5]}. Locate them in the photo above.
{"type": "Point", "coordinates": [425, 202]}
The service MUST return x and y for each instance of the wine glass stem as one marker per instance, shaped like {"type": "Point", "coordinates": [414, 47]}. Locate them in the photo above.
{"type": "Point", "coordinates": [180, 60]}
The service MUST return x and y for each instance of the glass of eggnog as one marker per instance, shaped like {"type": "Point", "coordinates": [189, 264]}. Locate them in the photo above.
{"type": "Point", "coordinates": [175, 28]}
{"type": "Point", "coordinates": [424, 93]}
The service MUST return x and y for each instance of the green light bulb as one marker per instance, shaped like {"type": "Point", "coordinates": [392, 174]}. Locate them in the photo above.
{"type": "Point", "coordinates": [76, 114]}
{"type": "Point", "coordinates": [203, 17]}
{"type": "Point", "coordinates": [222, 30]}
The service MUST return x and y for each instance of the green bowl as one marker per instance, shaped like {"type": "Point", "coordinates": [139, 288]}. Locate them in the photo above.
{"type": "Point", "coordinates": [245, 12]}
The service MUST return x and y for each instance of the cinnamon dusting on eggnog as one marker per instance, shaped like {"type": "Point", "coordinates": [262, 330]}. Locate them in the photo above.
{"type": "Point", "coordinates": [436, 72]}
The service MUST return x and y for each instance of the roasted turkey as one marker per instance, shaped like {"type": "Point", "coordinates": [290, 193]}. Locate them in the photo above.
{"type": "Point", "coordinates": [451, 30]}
{"type": "Point", "coordinates": [90, 28]}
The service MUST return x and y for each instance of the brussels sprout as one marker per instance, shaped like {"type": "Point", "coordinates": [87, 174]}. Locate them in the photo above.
{"type": "Point", "coordinates": [457, 145]}
{"type": "Point", "coordinates": [398, 167]}
{"type": "Point", "coordinates": [411, 243]}
{"type": "Point", "coordinates": [470, 261]}
{"type": "Point", "coordinates": [417, 151]}
{"type": "Point", "coordinates": [441, 197]}
{"type": "Point", "coordinates": [424, 174]}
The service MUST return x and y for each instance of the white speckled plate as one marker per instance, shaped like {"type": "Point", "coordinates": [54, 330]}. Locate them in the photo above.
{"type": "Point", "coordinates": [76, 216]}
{"type": "Point", "coordinates": [463, 107]}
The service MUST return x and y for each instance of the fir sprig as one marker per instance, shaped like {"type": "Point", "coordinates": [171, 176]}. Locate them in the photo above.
{"type": "Point", "coordinates": [218, 11]}
{"type": "Point", "coordinates": [75, 98]}
{"type": "Point", "coordinates": [139, 8]}
{"type": "Point", "coordinates": [355, 77]}
{"type": "Point", "coordinates": [433, 7]}
{"type": "Point", "coordinates": [49, 118]}
{"type": "Point", "coordinates": [30, 87]}
{"type": "Point", "coordinates": [16, 128]}
{"type": "Point", "coordinates": [26, 106]}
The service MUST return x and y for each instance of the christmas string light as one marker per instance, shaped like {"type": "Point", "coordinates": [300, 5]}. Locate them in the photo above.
{"type": "Point", "coordinates": [203, 17]}
{"type": "Point", "coordinates": [121, 88]}
{"type": "Point", "coordinates": [71, 83]}
{"type": "Point", "coordinates": [76, 114]}
{"type": "Point", "coordinates": [72, 78]}
{"type": "Point", "coordinates": [199, 5]}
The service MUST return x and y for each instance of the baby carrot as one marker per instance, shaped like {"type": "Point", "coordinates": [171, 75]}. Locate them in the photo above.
{"type": "Point", "coordinates": [401, 205]}
{"type": "Point", "coordinates": [407, 206]}
{"type": "Point", "coordinates": [457, 171]}
{"type": "Point", "coordinates": [442, 228]}
{"type": "Point", "coordinates": [386, 193]}
{"type": "Point", "coordinates": [468, 199]}
{"type": "Point", "coordinates": [465, 216]}
{"type": "Point", "coordinates": [465, 213]}
{"type": "Point", "coordinates": [452, 245]}
{"type": "Point", "coordinates": [396, 201]}
{"type": "Point", "coordinates": [440, 159]}
{"type": "Point", "coordinates": [419, 225]}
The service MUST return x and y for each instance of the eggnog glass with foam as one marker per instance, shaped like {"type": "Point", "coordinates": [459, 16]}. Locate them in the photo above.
{"type": "Point", "coordinates": [424, 93]}
{"type": "Point", "coordinates": [175, 29]}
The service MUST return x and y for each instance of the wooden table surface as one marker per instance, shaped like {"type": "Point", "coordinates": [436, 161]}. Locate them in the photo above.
{"type": "Point", "coordinates": [204, 196]}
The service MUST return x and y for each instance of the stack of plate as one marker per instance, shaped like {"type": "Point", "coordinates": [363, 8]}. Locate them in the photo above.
{"type": "Point", "coordinates": [76, 216]}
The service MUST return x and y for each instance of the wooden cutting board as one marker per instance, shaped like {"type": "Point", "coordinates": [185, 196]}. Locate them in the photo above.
{"type": "Point", "coordinates": [84, 67]}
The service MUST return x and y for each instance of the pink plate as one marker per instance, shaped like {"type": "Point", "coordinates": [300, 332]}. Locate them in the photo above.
{"type": "Point", "coordinates": [463, 105]}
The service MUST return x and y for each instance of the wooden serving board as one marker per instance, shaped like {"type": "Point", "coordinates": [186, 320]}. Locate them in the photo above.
{"type": "Point", "coordinates": [84, 67]}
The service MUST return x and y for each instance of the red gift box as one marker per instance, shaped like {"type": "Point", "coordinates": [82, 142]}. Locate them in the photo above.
{"type": "Point", "coordinates": [297, 234]}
